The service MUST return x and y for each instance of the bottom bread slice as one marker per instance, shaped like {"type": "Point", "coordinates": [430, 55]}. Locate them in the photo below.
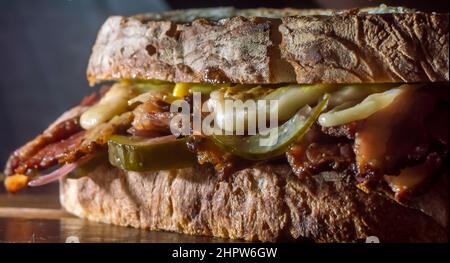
{"type": "Point", "coordinates": [262, 203]}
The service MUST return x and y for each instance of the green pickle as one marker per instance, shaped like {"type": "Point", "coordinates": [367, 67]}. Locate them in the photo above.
{"type": "Point", "coordinates": [140, 154]}
{"type": "Point", "coordinates": [291, 131]}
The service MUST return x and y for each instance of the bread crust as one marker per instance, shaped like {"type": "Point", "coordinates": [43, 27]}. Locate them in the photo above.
{"type": "Point", "coordinates": [411, 47]}
{"type": "Point", "coordinates": [261, 203]}
{"type": "Point", "coordinates": [273, 46]}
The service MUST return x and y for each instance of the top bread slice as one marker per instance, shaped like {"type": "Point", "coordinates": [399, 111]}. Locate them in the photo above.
{"type": "Point", "coordinates": [263, 46]}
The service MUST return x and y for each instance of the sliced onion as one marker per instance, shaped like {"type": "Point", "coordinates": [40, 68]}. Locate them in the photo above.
{"type": "Point", "coordinates": [294, 97]}
{"type": "Point", "coordinates": [289, 99]}
{"type": "Point", "coordinates": [58, 173]}
{"type": "Point", "coordinates": [357, 92]}
{"type": "Point", "coordinates": [53, 176]}
{"type": "Point", "coordinates": [367, 107]}
{"type": "Point", "coordinates": [291, 131]}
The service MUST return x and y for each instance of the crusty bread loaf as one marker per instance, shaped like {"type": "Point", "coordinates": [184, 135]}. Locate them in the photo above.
{"type": "Point", "coordinates": [265, 202]}
{"type": "Point", "coordinates": [273, 46]}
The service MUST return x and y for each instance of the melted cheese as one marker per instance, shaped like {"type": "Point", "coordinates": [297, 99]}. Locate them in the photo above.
{"type": "Point", "coordinates": [367, 107]}
{"type": "Point", "coordinates": [289, 100]}
{"type": "Point", "coordinates": [113, 103]}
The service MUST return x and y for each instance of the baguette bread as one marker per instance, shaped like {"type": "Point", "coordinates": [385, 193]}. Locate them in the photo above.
{"type": "Point", "coordinates": [273, 46]}
{"type": "Point", "coordinates": [265, 202]}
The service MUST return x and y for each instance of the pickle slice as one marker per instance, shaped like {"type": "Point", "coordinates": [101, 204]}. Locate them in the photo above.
{"type": "Point", "coordinates": [140, 154]}
{"type": "Point", "coordinates": [291, 131]}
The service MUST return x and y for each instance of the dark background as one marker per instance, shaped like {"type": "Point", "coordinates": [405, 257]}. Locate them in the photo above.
{"type": "Point", "coordinates": [45, 46]}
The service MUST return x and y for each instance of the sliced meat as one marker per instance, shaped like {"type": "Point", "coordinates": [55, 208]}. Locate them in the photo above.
{"type": "Point", "coordinates": [319, 151]}
{"type": "Point", "coordinates": [314, 158]}
{"type": "Point", "coordinates": [208, 153]}
{"type": "Point", "coordinates": [64, 127]}
{"type": "Point", "coordinates": [411, 178]}
{"type": "Point", "coordinates": [152, 118]}
{"type": "Point", "coordinates": [151, 123]}
{"type": "Point", "coordinates": [398, 135]}
{"type": "Point", "coordinates": [51, 154]}
{"type": "Point", "coordinates": [346, 130]}
{"type": "Point", "coordinates": [97, 137]}
{"type": "Point", "coordinates": [64, 140]}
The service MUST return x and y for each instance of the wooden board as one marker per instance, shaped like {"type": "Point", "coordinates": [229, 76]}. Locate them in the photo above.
{"type": "Point", "coordinates": [34, 215]}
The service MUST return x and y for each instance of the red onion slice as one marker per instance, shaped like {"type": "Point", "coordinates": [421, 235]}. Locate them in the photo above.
{"type": "Point", "coordinates": [58, 173]}
{"type": "Point", "coordinates": [53, 176]}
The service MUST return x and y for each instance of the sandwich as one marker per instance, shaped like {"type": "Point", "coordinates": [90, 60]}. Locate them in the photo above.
{"type": "Point", "coordinates": [259, 125]}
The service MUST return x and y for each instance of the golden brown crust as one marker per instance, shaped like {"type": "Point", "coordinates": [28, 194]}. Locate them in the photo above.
{"type": "Point", "coordinates": [410, 47]}
{"type": "Point", "coordinates": [261, 203]}
{"type": "Point", "coordinates": [233, 50]}
{"type": "Point", "coordinates": [273, 46]}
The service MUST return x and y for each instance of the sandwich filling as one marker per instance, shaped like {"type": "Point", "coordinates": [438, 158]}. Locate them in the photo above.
{"type": "Point", "coordinates": [392, 137]}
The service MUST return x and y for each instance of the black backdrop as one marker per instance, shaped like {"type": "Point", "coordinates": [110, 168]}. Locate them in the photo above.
{"type": "Point", "coordinates": [45, 46]}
